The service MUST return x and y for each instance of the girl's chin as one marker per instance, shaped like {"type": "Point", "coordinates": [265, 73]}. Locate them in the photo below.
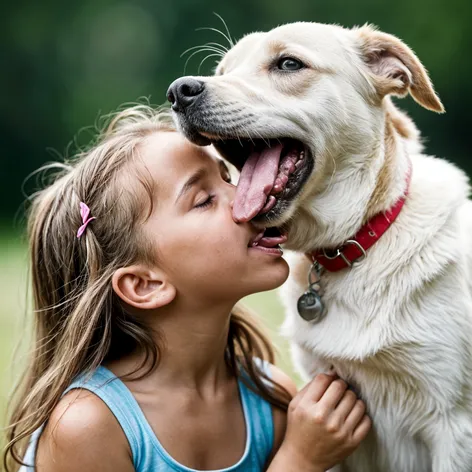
{"type": "Point", "coordinates": [272, 278]}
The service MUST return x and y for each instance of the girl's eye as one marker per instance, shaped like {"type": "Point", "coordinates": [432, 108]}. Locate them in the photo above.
{"type": "Point", "coordinates": [208, 202]}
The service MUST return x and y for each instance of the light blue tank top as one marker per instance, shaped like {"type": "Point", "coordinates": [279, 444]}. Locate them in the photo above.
{"type": "Point", "coordinates": [148, 453]}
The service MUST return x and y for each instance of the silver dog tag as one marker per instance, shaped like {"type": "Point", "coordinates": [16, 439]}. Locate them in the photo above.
{"type": "Point", "coordinates": [310, 306]}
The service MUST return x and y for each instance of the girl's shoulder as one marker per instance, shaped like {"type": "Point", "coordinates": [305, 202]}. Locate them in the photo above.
{"type": "Point", "coordinates": [83, 434]}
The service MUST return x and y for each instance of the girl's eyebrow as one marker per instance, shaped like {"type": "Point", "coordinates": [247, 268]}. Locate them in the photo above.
{"type": "Point", "coordinates": [191, 181]}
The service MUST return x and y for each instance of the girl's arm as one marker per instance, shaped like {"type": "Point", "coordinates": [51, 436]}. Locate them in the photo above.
{"type": "Point", "coordinates": [325, 423]}
{"type": "Point", "coordinates": [83, 435]}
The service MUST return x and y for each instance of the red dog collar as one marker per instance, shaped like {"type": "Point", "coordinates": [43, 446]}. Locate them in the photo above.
{"type": "Point", "coordinates": [355, 249]}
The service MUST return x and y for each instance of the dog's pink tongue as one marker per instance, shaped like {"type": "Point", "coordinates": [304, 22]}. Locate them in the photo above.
{"type": "Point", "coordinates": [255, 183]}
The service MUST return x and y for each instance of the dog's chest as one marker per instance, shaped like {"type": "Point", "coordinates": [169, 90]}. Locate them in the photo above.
{"type": "Point", "coordinates": [390, 339]}
{"type": "Point", "coordinates": [401, 346]}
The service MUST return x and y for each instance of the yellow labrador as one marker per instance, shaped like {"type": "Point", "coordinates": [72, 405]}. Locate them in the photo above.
{"type": "Point", "coordinates": [305, 111]}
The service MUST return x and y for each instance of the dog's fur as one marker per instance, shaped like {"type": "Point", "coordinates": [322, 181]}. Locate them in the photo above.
{"type": "Point", "coordinates": [399, 325]}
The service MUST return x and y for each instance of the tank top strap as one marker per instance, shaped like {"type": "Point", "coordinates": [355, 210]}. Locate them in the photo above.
{"type": "Point", "coordinates": [261, 421]}
{"type": "Point", "coordinates": [120, 401]}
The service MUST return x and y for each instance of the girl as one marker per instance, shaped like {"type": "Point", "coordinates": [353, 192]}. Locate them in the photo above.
{"type": "Point", "coordinates": [141, 360]}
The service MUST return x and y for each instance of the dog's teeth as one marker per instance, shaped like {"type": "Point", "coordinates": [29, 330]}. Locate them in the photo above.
{"type": "Point", "coordinates": [298, 164]}
{"type": "Point", "coordinates": [271, 201]}
{"type": "Point", "coordinates": [277, 188]}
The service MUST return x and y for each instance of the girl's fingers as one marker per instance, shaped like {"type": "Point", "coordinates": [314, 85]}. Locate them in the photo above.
{"type": "Point", "coordinates": [362, 429]}
{"type": "Point", "coordinates": [355, 416]}
{"type": "Point", "coordinates": [333, 395]}
{"type": "Point", "coordinates": [345, 406]}
{"type": "Point", "coordinates": [313, 391]}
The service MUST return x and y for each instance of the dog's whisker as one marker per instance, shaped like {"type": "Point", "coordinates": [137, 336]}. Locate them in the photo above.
{"type": "Point", "coordinates": [188, 59]}
{"type": "Point", "coordinates": [204, 59]}
{"type": "Point", "coordinates": [250, 138]}
{"type": "Point", "coordinates": [216, 31]}
{"type": "Point", "coordinates": [210, 49]}
{"type": "Point", "coordinates": [260, 135]}
{"type": "Point", "coordinates": [263, 139]}
{"type": "Point", "coordinates": [231, 41]}
{"type": "Point", "coordinates": [222, 49]}
{"type": "Point", "coordinates": [202, 48]}
{"type": "Point", "coordinates": [197, 52]}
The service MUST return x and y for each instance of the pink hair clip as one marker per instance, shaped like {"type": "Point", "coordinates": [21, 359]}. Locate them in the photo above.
{"type": "Point", "coordinates": [84, 213]}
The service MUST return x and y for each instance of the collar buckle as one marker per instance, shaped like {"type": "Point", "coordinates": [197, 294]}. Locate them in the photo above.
{"type": "Point", "coordinates": [339, 252]}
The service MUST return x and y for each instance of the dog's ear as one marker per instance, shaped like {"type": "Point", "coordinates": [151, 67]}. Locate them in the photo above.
{"type": "Point", "coordinates": [395, 68]}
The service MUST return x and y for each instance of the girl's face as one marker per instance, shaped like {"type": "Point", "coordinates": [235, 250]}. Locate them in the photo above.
{"type": "Point", "coordinates": [203, 253]}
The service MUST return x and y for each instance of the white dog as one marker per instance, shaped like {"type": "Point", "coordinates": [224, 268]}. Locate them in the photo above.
{"type": "Point", "coordinates": [333, 153]}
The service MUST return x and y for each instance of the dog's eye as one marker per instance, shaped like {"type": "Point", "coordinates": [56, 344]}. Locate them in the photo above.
{"type": "Point", "coordinates": [289, 64]}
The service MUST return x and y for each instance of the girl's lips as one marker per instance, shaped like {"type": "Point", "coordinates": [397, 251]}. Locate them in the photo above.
{"type": "Point", "coordinates": [272, 251]}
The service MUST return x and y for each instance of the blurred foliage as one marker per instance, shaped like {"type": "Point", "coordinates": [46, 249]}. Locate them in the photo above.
{"type": "Point", "coordinates": [65, 62]}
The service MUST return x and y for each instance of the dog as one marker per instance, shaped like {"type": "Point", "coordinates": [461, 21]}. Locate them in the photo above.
{"type": "Point", "coordinates": [305, 112]}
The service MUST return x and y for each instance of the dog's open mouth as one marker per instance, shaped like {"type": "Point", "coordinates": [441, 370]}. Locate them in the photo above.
{"type": "Point", "coordinates": [269, 240]}
{"type": "Point", "coordinates": [273, 172]}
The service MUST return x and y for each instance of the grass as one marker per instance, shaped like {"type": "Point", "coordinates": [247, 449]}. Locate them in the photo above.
{"type": "Point", "coordinates": [14, 317]}
{"type": "Point", "coordinates": [268, 308]}
{"type": "Point", "coordinates": [12, 312]}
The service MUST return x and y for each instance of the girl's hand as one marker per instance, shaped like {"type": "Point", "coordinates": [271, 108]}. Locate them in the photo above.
{"type": "Point", "coordinates": [326, 423]}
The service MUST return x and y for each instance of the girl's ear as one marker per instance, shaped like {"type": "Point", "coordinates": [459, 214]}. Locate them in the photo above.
{"type": "Point", "coordinates": [142, 287]}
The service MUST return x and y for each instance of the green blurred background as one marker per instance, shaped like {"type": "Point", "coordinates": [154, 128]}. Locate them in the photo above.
{"type": "Point", "coordinates": [65, 62]}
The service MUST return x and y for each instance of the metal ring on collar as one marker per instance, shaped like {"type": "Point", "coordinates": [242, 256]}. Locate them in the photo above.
{"type": "Point", "coordinates": [361, 257]}
{"type": "Point", "coordinates": [338, 253]}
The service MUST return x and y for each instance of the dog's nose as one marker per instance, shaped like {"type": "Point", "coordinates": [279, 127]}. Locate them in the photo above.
{"type": "Point", "coordinates": [183, 92]}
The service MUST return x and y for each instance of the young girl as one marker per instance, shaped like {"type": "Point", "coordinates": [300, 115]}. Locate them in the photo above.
{"type": "Point", "coordinates": [141, 360]}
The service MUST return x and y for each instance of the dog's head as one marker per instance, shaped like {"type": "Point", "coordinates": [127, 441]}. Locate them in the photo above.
{"type": "Point", "coordinates": [296, 103]}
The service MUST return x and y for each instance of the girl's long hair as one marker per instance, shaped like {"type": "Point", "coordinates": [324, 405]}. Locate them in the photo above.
{"type": "Point", "coordinates": [78, 320]}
